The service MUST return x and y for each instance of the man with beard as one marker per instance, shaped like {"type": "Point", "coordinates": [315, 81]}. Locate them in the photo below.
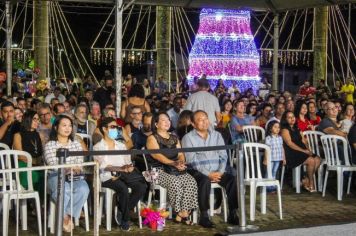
{"type": "Point", "coordinates": [139, 138]}
{"type": "Point", "coordinates": [102, 94]}
{"type": "Point", "coordinates": [81, 123]}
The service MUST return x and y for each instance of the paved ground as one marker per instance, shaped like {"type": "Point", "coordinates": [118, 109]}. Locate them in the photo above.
{"type": "Point", "coordinates": [299, 211]}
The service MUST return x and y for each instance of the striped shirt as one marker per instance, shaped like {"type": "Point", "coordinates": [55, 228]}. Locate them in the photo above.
{"type": "Point", "coordinates": [276, 145]}
{"type": "Point", "coordinates": [50, 152]}
{"type": "Point", "coordinates": [205, 162]}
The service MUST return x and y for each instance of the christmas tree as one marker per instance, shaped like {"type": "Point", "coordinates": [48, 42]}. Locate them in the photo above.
{"type": "Point", "coordinates": [224, 48]}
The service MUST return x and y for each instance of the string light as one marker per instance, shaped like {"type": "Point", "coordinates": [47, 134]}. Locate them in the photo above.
{"type": "Point", "coordinates": [288, 58]}
{"type": "Point", "coordinates": [224, 49]}
{"type": "Point", "coordinates": [106, 57]}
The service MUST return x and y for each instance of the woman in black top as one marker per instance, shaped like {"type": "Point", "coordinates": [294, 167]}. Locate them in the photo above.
{"type": "Point", "coordinates": [181, 187]}
{"type": "Point", "coordinates": [28, 140]}
{"type": "Point", "coordinates": [296, 150]}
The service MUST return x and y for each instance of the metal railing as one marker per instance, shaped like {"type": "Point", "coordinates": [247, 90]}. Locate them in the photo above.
{"type": "Point", "coordinates": [62, 154]}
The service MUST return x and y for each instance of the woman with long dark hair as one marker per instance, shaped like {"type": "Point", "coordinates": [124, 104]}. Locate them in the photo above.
{"type": "Point", "coordinates": [300, 112]}
{"type": "Point", "coordinates": [29, 140]}
{"type": "Point", "coordinates": [181, 186]}
{"type": "Point", "coordinates": [61, 137]}
{"type": "Point", "coordinates": [297, 152]}
{"type": "Point", "coordinates": [136, 97]}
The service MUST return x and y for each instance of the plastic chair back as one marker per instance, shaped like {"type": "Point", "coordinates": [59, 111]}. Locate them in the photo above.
{"type": "Point", "coordinates": [331, 144]}
{"type": "Point", "coordinates": [253, 157]}
{"type": "Point", "coordinates": [253, 133]}
{"type": "Point", "coordinates": [4, 146]}
{"type": "Point", "coordinates": [87, 139]}
{"type": "Point", "coordinates": [313, 138]}
{"type": "Point", "coordinates": [9, 160]}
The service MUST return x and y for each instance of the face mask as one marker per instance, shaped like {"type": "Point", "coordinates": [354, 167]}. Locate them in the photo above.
{"type": "Point", "coordinates": [113, 133]}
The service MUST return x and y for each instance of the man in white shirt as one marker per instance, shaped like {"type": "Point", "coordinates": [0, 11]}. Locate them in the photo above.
{"type": "Point", "coordinates": [56, 94]}
{"type": "Point", "coordinates": [203, 100]}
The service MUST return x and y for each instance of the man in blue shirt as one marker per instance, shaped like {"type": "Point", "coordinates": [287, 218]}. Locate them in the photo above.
{"type": "Point", "coordinates": [209, 167]}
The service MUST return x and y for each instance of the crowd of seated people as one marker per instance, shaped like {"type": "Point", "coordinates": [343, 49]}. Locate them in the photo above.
{"type": "Point", "coordinates": [153, 118]}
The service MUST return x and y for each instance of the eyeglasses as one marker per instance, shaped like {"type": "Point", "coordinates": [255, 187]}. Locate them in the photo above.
{"type": "Point", "coordinates": [112, 126]}
{"type": "Point", "coordinates": [136, 113]}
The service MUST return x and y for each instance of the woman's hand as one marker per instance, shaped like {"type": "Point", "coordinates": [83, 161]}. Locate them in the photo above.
{"type": "Point", "coordinates": [308, 152]}
{"type": "Point", "coordinates": [284, 162]}
{"type": "Point", "coordinates": [129, 168]}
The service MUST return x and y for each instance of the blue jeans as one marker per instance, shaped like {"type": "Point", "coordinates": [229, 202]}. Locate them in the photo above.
{"type": "Point", "coordinates": [80, 195]}
{"type": "Point", "coordinates": [274, 168]}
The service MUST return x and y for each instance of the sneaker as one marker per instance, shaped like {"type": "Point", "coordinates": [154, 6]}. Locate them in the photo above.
{"type": "Point", "coordinates": [205, 222]}
{"type": "Point", "coordinates": [125, 226]}
{"type": "Point", "coordinates": [118, 218]}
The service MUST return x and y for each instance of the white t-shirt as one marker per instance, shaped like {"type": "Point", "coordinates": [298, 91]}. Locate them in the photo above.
{"type": "Point", "coordinates": [110, 160]}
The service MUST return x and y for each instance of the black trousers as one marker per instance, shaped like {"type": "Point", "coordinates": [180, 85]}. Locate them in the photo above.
{"type": "Point", "coordinates": [126, 201]}
{"type": "Point", "coordinates": [228, 181]}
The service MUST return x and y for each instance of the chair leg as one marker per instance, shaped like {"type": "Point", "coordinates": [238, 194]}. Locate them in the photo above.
{"type": "Point", "coordinates": [5, 214]}
{"type": "Point", "coordinates": [340, 183]}
{"type": "Point", "coordinates": [325, 181]}
{"type": "Point", "coordinates": [163, 198]}
{"type": "Point", "coordinates": [139, 215]}
{"type": "Point", "coordinates": [315, 183]}
{"type": "Point", "coordinates": [296, 176]}
{"type": "Point", "coordinates": [211, 202]}
{"type": "Point", "coordinates": [86, 216]}
{"type": "Point", "coordinates": [349, 184]}
{"type": "Point", "coordinates": [279, 202]}
{"type": "Point", "coordinates": [149, 200]}
{"type": "Point", "coordinates": [282, 176]}
{"type": "Point", "coordinates": [320, 178]}
{"type": "Point", "coordinates": [52, 213]}
{"type": "Point", "coordinates": [252, 201]}
{"type": "Point", "coordinates": [263, 200]}
{"type": "Point", "coordinates": [23, 210]}
{"type": "Point", "coordinates": [224, 204]}
{"type": "Point", "coordinates": [195, 216]}
{"type": "Point", "coordinates": [108, 209]}
{"type": "Point", "coordinates": [101, 207]}
{"type": "Point", "coordinates": [38, 211]}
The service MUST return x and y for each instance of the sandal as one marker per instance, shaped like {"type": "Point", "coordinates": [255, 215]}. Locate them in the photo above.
{"type": "Point", "coordinates": [185, 220]}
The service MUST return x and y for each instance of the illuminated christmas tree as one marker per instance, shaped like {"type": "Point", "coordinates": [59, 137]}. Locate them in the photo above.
{"type": "Point", "coordinates": [224, 48]}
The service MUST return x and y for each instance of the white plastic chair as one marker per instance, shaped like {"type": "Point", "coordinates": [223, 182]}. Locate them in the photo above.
{"type": "Point", "coordinates": [52, 215]}
{"type": "Point", "coordinates": [4, 146]}
{"type": "Point", "coordinates": [163, 204]}
{"type": "Point", "coordinates": [334, 163]}
{"type": "Point", "coordinates": [109, 194]}
{"type": "Point", "coordinates": [252, 132]}
{"type": "Point", "coordinates": [313, 138]}
{"type": "Point", "coordinates": [224, 199]}
{"type": "Point", "coordinates": [12, 189]}
{"type": "Point", "coordinates": [88, 138]}
{"type": "Point", "coordinates": [253, 176]}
